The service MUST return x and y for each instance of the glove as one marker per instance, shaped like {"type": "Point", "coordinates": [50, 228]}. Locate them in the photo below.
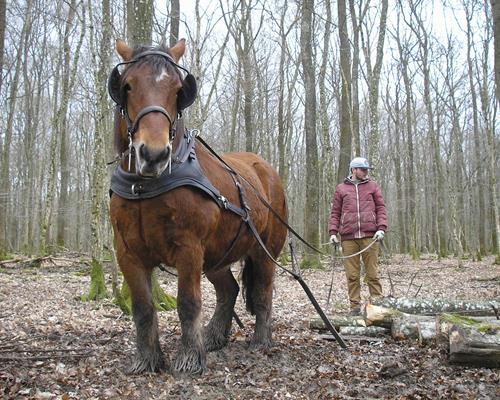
{"type": "Point", "coordinates": [379, 235]}
{"type": "Point", "coordinates": [334, 239]}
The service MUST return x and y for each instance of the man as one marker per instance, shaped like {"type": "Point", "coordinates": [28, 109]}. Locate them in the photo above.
{"type": "Point", "coordinates": [358, 214]}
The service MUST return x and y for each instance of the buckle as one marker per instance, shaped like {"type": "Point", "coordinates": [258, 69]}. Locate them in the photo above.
{"type": "Point", "coordinates": [136, 189]}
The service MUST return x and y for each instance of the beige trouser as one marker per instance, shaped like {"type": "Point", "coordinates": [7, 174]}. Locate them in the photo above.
{"type": "Point", "coordinates": [353, 266]}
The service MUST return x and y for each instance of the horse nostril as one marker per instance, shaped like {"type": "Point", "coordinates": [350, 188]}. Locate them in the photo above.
{"type": "Point", "coordinates": [144, 152]}
{"type": "Point", "coordinates": [164, 155]}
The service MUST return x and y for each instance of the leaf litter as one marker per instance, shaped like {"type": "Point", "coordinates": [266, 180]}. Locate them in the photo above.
{"type": "Point", "coordinates": [53, 346]}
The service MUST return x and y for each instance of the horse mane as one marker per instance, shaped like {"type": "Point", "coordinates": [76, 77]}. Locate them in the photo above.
{"type": "Point", "coordinates": [157, 63]}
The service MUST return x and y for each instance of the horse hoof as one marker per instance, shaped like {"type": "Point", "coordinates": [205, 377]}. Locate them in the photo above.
{"type": "Point", "coordinates": [214, 343]}
{"type": "Point", "coordinates": [260, 345]}
{"type": "Point", "coordinates": [144, 365]}
{"type": "Point", "coordinates": [189, 362]}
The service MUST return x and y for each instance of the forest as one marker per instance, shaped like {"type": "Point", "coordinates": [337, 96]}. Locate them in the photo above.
{"type": "Point", "coordinates": [412, 85]}
{"type": "Point", "coordinates": [307, 84]}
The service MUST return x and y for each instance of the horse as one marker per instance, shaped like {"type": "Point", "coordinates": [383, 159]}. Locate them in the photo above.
{"type": "Point", "coordinates": [189, 227]}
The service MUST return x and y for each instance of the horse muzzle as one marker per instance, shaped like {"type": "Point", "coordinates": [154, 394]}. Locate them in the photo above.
{"type": "Point", "coordinates": [150, 163]}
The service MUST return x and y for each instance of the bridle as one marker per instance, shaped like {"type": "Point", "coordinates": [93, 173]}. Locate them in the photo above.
{"type": "Point", "coordinates": [185, 97]}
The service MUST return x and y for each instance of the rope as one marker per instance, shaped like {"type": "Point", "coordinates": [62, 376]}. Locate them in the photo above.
{"type": "Point", "coordinates": [356, 254]}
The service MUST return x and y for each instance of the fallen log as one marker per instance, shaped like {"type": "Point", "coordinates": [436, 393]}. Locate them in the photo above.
{"type": "Point", "coordinates": [445, 322]}
{"type": "Point", "coordinates": [410, 326]}
{"type": "Point", "coordinates": [370, 331]}
{"type": "Point", "coordinates": [337, 321]}
{"type": "Point", "coordinates": [438, 306]}
{"type": "Point", "coordinates": [470, 346]}
{"type": "Point", "coordinates": [380, 316]}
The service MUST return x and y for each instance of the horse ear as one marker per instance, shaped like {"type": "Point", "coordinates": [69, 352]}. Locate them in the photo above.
{"type": "Point", "coordinates": [178, 50]}
{"type": "Point", "coordinates": [123, 49]}
{"type": "Point", "coordinates": [187, 95]}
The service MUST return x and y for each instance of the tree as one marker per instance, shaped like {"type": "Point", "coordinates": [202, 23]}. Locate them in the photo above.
{"type": "Point", "coordinates": [139, 31]}
{"type": "Point", "coordinates": [495, 8]}
{"type": "Point", "coordinates": [175, 13]}
{"type": "Point", "coordinates": [373, 80]}
{"type": "Point", "coordinates": [311, 218]}
{"type": "Point", "coordinates": [97, 289]}
{"type": "Point", "coordinates": [345, 99]}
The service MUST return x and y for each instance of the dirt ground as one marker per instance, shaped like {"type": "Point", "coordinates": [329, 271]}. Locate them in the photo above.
{"type": "Point", "coordinates": [54, 346]}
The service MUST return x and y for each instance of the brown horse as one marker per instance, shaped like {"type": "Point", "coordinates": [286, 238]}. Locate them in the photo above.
{"type": "Point", "coordinates": [184, 227]}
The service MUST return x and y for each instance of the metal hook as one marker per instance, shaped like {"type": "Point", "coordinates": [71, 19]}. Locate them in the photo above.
{"type": "Point", "coordinates": [130, 146]}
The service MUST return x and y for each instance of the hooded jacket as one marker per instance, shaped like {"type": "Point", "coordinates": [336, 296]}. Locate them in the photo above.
{"type": "Point", "coordinates": [358, 210]}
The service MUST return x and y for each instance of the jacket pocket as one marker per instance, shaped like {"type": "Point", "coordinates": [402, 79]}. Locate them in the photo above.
{"type": "Point", "coordinates": [347, 223]}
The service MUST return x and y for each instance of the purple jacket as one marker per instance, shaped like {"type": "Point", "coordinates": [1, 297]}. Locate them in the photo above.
{"type": "Point", "coordinates": [358, 210]}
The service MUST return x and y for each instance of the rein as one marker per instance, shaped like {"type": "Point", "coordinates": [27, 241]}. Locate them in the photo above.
{"type": "Point", "coordinates": [261, 198]}
{"type": "Point", "coordinates": [356, 254]}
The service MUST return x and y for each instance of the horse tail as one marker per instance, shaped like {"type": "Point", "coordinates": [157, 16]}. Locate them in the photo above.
{"type": "Point", "coordinates": [248, 279]}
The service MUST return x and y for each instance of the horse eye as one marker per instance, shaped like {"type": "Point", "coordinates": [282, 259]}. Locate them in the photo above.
{"type": "Point", "coordinates": [127, 87]}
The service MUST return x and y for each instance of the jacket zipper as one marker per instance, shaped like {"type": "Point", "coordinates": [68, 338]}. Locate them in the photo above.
{"type": "Point", "coordinates": [359, 216]}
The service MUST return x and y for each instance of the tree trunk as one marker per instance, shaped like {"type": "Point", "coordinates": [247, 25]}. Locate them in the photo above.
{"type": "Point", "coordinates": [480, 227]}
{"type": "Point", "coordinates": [326, 173]}
{"type": "Point", "coordinates": [471, 347]}
{"type": "Point", "coordinates": [140, 32]}
{"type": "Point", "coordinates": [495, 8]}
{"type": "Point", "coordinates": [101, 59]}
{"type": "Point", "coordinates": [437, 306]}
{"type": "Point", "coordinates": [373, 87]}
{"type": "Point", "coordinates": [175, 13]}
{"type": "Point", "coordinates": [3, 9]}
{"type": "Point", "coordinates": [490, 135]}
{"type": "Point", "coordinates": [62, 129]}
{"type": "Point", "coordinates": [411, 185]}
{"type": "Point", "coordinates": [6, 150]}
{"type": "Point", "coordinates": [345, 140]}
{"type": "Point", "coordinates": [311, 218]}
{"type": "Point", "coordinates": [139, 22]}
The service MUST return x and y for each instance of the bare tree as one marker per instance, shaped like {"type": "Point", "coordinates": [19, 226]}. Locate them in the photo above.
{"type": "Point", "coordinates": [311, 219]}
{"type": "Point", "coordinates": [495, 8]}
{"type": "Point", "coordinates": [373, 80]}
{"type": "Point", "coordinates": [175, 13]}
{"type": "Point", "coordinates": [345, 100]}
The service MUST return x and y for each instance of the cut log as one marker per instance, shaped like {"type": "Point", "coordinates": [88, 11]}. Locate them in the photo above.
{"type": "Point", "coordinates": [438, 306]}
{"type": "Point", "coordinates": [408, 326]}
{"type": "Point", "coordinates": [472, 347]}
{"type": "Point", "coordinates": [445, 322]}
{"type": "Point", "coordinates": [337, 321]}
{"type": "Point", "coordinates": [380, 316]}
{"type": "Point", "coordinates": [370, 331]}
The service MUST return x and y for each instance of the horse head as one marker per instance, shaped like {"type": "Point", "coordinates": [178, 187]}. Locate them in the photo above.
{"type": "Point", "coordinates": [151, 91]}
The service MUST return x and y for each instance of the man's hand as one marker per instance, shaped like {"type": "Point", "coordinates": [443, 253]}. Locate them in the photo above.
{"type": "Point", "coordinates": [334, 239]}
{"type": "Point", "coordinates": [379, 235]}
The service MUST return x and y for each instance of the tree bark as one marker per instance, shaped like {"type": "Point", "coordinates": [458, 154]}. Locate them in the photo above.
{"type": "Point", "coordinates": [6, 150]}
{"type": "Point", "coordinates": [311, 218]}
{"type": "Point", "coordinates": [495, 8]}
{"type": "Point", "coordinates": [373, 86]}
{"type": "Point", "coordinates": [437, 306]}
{"type": "Point", "coordinates": [471, 347]}
{"type": "Point", "coordinates": [345, 141]}
{"type": "Point", "coordinates": [62, 128]}
{"type": "Point", "coordinates": [3, 9]}
{"type": "Point", "coordinates": [175, 14]}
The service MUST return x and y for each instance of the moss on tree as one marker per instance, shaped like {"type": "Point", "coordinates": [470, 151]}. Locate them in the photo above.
{"type": "Point", "coordinates": [97, 290]}
{"type": "Point", "coordinates": [161, 300]}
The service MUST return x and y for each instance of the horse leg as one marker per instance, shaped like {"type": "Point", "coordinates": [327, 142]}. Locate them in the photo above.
{"type": "Point", "coordinates": [219, 327]}
{"type": "Point", "coordinates": [258, 277]}
{"type": "Point", "coordinates": [191, 356]}
{"type": "Point", "coordinates": [149, 357]}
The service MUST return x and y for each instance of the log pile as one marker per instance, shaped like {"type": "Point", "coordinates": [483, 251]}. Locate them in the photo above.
{"type": "Point", "coordinates": [471, 329]}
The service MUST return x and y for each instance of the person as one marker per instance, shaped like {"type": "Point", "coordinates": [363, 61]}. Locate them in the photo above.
{"type": "Point", "coordinates": [358, 214]}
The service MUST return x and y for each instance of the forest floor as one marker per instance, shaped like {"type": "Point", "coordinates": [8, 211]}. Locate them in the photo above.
{"type": "Point", "coordinates": [52, 345]}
